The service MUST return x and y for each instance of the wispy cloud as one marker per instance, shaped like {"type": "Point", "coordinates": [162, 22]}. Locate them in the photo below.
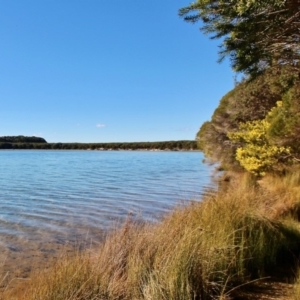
{"type": "Point", "coordinates": [100, 125]}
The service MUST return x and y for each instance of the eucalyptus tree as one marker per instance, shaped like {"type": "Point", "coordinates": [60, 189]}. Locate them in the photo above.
{"type": "Point", "coordinates": [256, 34]}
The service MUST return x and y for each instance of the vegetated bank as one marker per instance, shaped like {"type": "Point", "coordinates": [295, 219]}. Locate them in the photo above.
{"type": "Point", "coordinates": [23, 142]}
{"type": "Point", "coordinates": [219, 248]}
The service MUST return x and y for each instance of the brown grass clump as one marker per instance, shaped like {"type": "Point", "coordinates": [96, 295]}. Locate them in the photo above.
{"type": "Point", "coordinates": [202, 251]}
{"type": "Point", "coordinates": [284, 193]}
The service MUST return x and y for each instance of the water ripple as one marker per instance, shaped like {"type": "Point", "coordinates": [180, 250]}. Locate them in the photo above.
{"type": "Point", "coordinates": [55, 195]}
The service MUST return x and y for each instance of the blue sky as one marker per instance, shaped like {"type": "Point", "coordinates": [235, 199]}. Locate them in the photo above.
{"type": "Point", "coordinates": [106, 71]}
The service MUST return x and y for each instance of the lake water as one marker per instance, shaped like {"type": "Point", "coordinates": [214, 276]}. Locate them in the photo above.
{"type": "Point", "coordinates": [52, 198]}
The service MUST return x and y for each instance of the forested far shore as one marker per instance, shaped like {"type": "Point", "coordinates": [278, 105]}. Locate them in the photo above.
{"type": "Point", "coordinates": [21, 139]}
{"type": "Point", "coordinates": [184, 145]}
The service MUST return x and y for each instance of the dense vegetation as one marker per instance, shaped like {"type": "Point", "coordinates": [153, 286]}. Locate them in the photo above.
{"type": "Point", "coordinates": [39, 143]}
{"type": "Point", "coordinates": [257, 124]}
{"type": "Point", "coordinates": [272, 99]}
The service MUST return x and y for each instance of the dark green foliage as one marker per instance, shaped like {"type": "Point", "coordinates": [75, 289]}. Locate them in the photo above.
{"type": "Point", "coordinates": [21, 139]}
{"type": "Point", "coordinates": [285, 121]}
{"type": "Point", "coordinates": [255, 34]}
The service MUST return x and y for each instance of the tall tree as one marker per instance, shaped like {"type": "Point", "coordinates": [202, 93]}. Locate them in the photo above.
{"type": "Point", "coordinates": [256, 34]}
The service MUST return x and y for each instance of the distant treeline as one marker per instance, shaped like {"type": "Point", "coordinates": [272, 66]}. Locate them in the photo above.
{"type": "Point", "coordinates": [29, 144]}
{"type": "Point", "coordinates": [22, 139]}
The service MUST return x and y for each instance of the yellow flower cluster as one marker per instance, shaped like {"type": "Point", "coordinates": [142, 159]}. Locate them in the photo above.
{"type": "Point", "coordinates": [274, 110]}
{"type": "Point", "coordinates": [257, 154]}
{"type": "Point", "coordinates": [251, 132]}
{"type": "Point", "coordinates": [257, 159]}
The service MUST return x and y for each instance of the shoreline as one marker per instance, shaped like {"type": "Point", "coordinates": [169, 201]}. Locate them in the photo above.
{"type": "Point", "coordinates": [235, 234]}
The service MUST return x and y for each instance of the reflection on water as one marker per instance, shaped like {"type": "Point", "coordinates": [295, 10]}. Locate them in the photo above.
{"type": "Point", "coordinates": [54, 198]}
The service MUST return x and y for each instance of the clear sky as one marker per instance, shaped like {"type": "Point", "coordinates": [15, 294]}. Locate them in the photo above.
{"type": "Point", "coordinates": [106, 71]}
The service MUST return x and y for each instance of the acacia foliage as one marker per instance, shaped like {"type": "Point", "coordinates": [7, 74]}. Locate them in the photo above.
{"type": "Point", "coordinates": [250, 101]}
{"type": "Point", "coordinates": [256, 153]}
{"type": "Point", "coordinates": [255, 34]}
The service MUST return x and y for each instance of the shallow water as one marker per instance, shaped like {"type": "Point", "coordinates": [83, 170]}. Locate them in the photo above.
{"type": "Point", "coordinates": [53, 198]}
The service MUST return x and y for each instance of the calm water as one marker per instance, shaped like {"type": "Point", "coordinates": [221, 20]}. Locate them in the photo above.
{"type": "Point", "coordinates": [59, 196]}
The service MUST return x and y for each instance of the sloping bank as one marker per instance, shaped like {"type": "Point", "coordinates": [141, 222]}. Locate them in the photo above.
{"type": "Point", "coordinates": [207, 250]}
